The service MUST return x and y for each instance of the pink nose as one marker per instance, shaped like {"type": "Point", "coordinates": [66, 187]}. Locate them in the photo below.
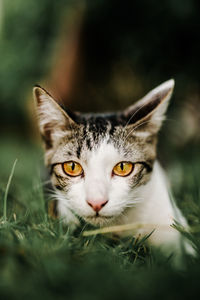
{"type": "Point", "coordinates": [97, 205]}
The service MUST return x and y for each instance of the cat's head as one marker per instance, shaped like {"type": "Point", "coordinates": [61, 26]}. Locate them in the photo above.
{"type": "Point", "coordinates": [99, 162]}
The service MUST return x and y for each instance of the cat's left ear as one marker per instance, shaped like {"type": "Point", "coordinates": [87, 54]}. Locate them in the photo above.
{"type": "Point", "coordinates": [148, 113]}
{"type": "Point", "coordinates": [53, 121]}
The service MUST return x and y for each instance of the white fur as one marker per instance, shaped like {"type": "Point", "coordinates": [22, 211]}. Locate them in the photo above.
{"type": "Point", "coordinates": [99, 184]}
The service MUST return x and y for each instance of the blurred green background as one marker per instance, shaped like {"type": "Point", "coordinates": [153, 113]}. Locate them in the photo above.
{"type": "Point", "coordinates": [93, 56]}
{"type": "Point", "coordinates": [98, 55]}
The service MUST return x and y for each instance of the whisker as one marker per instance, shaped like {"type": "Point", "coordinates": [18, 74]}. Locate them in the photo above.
{"type": "Point", "coordinates": [166, 119]}
{"type": "Point", "coordinates": [128, 122]}
{"type": "Point", "coordinates": [38, 185]}
{"type": "Point", "coordinates": [134, 115]}
{"type": "Point", "coordinates": [135, 129]}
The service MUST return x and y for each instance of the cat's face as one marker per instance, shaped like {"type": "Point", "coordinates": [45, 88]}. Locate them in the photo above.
{"type": "Point", "coordinates": [94, 168]}
{"type": "Point", "coordinates": [99, 162]}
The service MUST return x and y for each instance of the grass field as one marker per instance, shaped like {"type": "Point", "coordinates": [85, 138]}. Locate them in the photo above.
{"type": "Point", "coordinates": [40, 259]}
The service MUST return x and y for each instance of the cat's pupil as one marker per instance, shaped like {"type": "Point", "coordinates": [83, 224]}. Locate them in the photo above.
{"type": "Point", "coordinates": [73, 166]}
{"type": "Point", "coordinates": [122, 166]}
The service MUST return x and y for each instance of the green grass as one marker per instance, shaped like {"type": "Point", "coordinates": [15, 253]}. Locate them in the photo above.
{"type": "Point", "coordinates": [41, 259]}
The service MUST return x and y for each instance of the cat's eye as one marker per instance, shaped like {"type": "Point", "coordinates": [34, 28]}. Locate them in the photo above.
{"type": "Point", "coordinates": [72, 168]}
{"type": "Point", "coordinates": [123, 168]}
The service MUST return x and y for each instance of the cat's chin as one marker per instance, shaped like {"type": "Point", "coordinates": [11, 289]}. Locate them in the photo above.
{"type": "Point", "coordinates": [99, 220]}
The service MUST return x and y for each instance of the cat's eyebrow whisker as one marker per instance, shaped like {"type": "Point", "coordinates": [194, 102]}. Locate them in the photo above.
{"type": "Point", "coordinates": [134, 115]}
{"type": "Point", "coordinates": [166, 119]}
{"type": "Point", "coordinates": [135, 129]}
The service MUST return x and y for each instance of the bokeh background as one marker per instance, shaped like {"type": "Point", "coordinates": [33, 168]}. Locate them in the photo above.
{"type": "Point", "coordinates": [96, 56]}
{"type": "Point", "coordinates": [99, 55]}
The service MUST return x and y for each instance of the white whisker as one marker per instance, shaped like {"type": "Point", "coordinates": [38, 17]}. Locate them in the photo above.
{"type": "Point", "coordinates": [134, 129]}
{"type": "Point", "coordinates": [134, 114]}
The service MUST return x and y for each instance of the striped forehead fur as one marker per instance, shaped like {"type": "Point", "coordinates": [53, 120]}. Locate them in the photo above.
{"type": "Point", "coordinates": [136, 127]}
{"type": "Point", "coordinates": [94, 128]}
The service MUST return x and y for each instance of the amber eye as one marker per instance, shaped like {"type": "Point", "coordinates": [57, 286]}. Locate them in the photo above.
{"type": "Point", "coordinates": [72, 168]}
{"type": "Point", "coordinates": [123, 168]}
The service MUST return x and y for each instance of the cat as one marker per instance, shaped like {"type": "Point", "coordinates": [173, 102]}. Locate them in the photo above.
{"type": "Point", "coordinates": [104, 169]}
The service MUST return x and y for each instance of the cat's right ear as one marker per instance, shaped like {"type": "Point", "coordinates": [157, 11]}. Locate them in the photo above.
{"type": "Point", "coordinates": [53, 121]}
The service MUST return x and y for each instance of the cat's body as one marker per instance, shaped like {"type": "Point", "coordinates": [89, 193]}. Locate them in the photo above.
{"type": "Point", "coordinates": [104, 167]}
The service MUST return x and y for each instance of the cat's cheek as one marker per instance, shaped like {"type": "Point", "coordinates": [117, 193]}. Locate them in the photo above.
{"type": "Point", "coordinates": [118, 195]}
{"type": "Point", "coordinates": [140, 177]}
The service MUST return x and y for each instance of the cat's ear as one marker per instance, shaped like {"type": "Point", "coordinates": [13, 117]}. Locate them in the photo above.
{"type": "Point", "coordinates": [148, 113]}
{"type": "Point", "coordinates": [54, 122]}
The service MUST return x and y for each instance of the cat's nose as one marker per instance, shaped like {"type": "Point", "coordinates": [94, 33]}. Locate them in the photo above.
{"type": "Point", "coordinates": [97, 205]}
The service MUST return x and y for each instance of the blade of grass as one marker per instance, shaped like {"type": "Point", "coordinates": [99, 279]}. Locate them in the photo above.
{"type": "Point", "coordinates": [124, 227]}
{"type": "Point", "coordinates": [6, 191]}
